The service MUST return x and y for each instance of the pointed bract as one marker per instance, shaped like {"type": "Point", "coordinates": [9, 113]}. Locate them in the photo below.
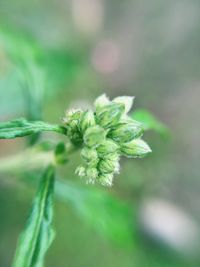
{"type": "Point", "coordinates": [87, 120]}
{"type": "Point", "coordinates": [101, 101]}
{"type": "Point", "coordinates": [126, 100]}
{"type": "Point", "coordinates": [109, 115]}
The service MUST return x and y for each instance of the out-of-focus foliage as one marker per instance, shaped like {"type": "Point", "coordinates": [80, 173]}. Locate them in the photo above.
{"type": "Point", "coordinates": [35, 73]}
{"type": "Point", "coordinates": [27, 61]}
{"type": "Point", "coordinates": [150, 122]}
{"type": "Point", "coordinates": [108, 215]}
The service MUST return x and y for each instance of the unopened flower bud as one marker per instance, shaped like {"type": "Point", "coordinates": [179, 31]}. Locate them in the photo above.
{"type": "Point", "coordinates": [94, 136]}
{"type": "Point", "coordinates": [106, 179]}
{"type": "Point", "coordinates": [73, 132]}
{"type": "Point", "coordinates": [107, 166]}
{"type": "Point", "coordinates": [126, 100]}
{"type": "Point", "coordinates": [137, 148]}
{"type": "Point", "coordinates": [125, 132]}
{"type": "Point", "coordinates": [87, 120]}
{"type": "Point", "coordinates": [109, 115]}
{"type": "Point", "coordinates": [104, 135]}
{"type": "Point", "coordinates": [107, 147]}
{"type": "Point", "coordinates": [112, 156]}
{"type": "Point", "coordinates": [89, 155]}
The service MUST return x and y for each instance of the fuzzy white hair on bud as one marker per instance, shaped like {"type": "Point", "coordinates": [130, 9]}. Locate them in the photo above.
{"type": "Point", "coordinates": [80, 171]}
{"type": "Point", "coordinates": [72, 114]}
{"type": "Point", "coordinates": [106, 179]}
{"type": "Point", "coordinates": [90, 156]}
{"type": "Point", "coordinates": [91, 175]}
{"type": "Point", "coordinates": [117, 167]}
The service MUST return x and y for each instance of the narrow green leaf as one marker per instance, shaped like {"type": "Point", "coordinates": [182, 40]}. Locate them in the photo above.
{"type": "Point", "coordinates": [38, 233]}
{"type": "Point", "coordinates": [150, 122]}
{"type": "Point", "coordinates": [21, 127]}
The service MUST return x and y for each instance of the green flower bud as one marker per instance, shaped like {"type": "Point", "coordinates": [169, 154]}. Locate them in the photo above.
{"type": "Point", "coordinates": [107, 147]}
{"type": "Point", "coordinates": [109, 115]}
{"type": "Point", "coordinates": [112, 156]}
{"type": "Point", "coordinates": [105, 135]}
{"type": "Point", "coordinates": [107, 166]}
{"type": "Point", "coordinates": [137, 148]}
{"type": "Point", "coordinates": [91, 175]}
{"type": "Point", "coordinates": [125, 132]}
{"type": "Point", "coordinates": [72, 122]}
{"type": "Point", "coordinates": [94, 136]}
{"type": "Point", "coordinates": [87, 120]}
{"type": "Point", "coordinates": [89, 155]}
{"type": "Point", "coordinates": [126, 100]}
{"type": "Point", "coordinates": [73, 132]}
{"type": "Point", "coordinates": [106, 179]}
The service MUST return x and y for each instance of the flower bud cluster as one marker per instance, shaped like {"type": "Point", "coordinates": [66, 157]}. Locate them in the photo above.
{"type": "Point", "coordinates": [105, 135]}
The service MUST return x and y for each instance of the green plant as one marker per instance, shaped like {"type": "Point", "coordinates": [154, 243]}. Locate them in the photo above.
{"type": "Point", "coordinates": [36, 73]}
{"type": "Point", "coordinates": [103, 135]}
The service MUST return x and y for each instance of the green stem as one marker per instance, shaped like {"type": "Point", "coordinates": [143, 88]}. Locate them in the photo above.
{"type": "Point", "coordinates": [30, 159]}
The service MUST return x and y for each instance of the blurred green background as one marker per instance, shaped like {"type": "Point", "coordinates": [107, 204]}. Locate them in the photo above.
{"type": "Point", "coordinates": [59, 54]}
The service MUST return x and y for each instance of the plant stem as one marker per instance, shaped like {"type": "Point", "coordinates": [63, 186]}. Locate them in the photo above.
{"type": "Point", "coordinates": [27, 159]}
{"type": "Point", "coordinates": [30, 159]}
